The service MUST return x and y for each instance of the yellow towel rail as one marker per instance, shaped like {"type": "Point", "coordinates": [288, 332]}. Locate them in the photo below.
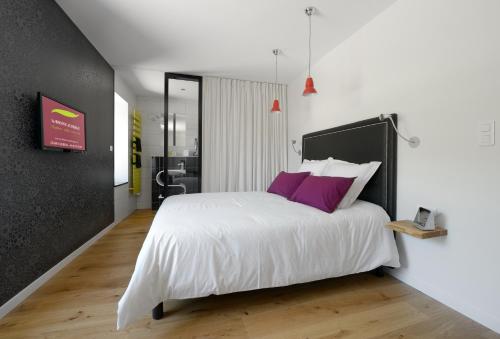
{"type": "Point", "coordinates": [136, 153]}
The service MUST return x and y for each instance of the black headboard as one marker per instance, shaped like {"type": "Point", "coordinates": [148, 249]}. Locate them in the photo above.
{"type": "Point", "coordinates": [361, 142]}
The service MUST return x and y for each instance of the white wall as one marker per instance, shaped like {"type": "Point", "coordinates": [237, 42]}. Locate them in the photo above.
{"type": "Point", "coordinates": [437, 64]}
{"type": "Point", "coordinates": [125, 203]}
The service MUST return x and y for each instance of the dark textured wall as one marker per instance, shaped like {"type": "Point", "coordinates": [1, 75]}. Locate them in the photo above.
{"type": "Point", "coordinates": [50, 202]}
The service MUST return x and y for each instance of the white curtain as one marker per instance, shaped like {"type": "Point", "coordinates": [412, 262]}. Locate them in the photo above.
{"type": "Point", "coordinates": [243, 143]}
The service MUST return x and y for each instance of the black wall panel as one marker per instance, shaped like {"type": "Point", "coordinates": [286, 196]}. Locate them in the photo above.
{"type": "Point", "coordinates": [50, 202]}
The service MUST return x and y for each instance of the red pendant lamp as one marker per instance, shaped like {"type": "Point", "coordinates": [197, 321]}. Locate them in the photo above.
{"type": "Point", "coordinates": [276, 104]}
{"type": "Point", "coordinates": [309, 89]}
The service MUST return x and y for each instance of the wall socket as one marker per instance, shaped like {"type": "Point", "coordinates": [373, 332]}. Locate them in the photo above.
{"type": "Point", "coordinates": [486, 133]}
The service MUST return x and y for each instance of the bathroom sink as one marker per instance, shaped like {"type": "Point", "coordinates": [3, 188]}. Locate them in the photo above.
{"type": "Point", "coordinates": [176, 171]}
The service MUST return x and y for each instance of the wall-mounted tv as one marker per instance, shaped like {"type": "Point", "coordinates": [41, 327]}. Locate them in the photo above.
{"type": "Point", "coordinates": [63, 127]}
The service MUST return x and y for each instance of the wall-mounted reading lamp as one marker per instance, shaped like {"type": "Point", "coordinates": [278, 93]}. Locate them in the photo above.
{"type": "Point", "coordinates": [299, 152]}
{"type": "Point", "coordinates": [413, 141]}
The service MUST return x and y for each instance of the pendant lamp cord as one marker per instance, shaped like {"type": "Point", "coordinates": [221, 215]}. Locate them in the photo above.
{"type": "Point", "coordinates": [276, 69]}
{"type": "Point", "coordinates": [310, 29]}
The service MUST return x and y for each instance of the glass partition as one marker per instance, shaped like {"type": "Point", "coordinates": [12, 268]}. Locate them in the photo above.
{"type": "Point", "coordinates": [182, 137]}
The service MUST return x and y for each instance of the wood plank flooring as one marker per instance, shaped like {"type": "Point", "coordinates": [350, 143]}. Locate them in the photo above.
{"type": "Point", "coordinates": [81, 302]}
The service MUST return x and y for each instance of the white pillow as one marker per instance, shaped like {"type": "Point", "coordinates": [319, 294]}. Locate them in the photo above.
{"type": "Point", "coordinates": [316, 167]}
{"type": "Point", "coordinates": [362, 172]}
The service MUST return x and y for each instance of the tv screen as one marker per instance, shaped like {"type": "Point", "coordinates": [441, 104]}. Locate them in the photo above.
{"type": "Point", "coordinates": [63, 127]}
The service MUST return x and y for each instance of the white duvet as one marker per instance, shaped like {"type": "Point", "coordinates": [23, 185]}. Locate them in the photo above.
{"type": "Point", "coordinates": [216, 243]}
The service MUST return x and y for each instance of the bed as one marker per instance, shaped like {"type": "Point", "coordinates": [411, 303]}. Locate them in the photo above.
{"type": "Point", "coordinates": [217, 243]}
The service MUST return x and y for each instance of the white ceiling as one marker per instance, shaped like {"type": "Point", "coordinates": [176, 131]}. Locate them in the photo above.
{"type": "Point", "coordinates": [229, 38]}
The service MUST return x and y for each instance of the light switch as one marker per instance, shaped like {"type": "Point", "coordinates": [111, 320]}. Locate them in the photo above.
{"type": "Point", "coordinates": [486, 133]}
{"type": "Point", "coordinates": [484, 127]}
{"type": "Point", "coordinates": [111, 148]}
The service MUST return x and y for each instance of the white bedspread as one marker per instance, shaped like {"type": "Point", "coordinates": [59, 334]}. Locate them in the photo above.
{"type": "Point", "coordinates": [216, 243]}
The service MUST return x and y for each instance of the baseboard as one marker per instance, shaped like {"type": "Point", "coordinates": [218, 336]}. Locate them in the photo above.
{"type": "Point", "coordinates": [26, 292]}
{"type": "Point", "coordinates": [449, 300]}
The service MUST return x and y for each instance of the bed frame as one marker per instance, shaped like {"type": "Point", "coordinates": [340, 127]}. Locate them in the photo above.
{"type": "Point", "coordinates": [359, 142]}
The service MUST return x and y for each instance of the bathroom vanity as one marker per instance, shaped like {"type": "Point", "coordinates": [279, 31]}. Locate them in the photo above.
{"type": "Point", "coordinates": [182, 178]}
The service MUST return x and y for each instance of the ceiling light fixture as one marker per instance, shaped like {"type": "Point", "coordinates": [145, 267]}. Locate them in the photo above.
{"type": "Point", "coordinates": [276, 104]}
{"type": "Point", "coordinates": [309, 81]}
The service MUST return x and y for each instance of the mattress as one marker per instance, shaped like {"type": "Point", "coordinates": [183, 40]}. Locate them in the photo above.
{"type": "Point", "coordinates": [217, 243]}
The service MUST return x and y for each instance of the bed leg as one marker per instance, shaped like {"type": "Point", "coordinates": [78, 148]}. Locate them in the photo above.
{"type": "Point", "coordinates": [158, 311]}
{"type": "Point", "coordinates": [379, 272]}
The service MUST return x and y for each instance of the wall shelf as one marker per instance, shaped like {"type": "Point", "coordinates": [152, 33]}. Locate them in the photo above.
{"type": "Point", "coordinates": [406, 227]}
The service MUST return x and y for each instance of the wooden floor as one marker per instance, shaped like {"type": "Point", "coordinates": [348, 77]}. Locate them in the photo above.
{"type": "Point", "coordinates": [81, 302]}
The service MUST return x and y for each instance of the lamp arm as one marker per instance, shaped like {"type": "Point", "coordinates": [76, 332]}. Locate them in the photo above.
{"type": "Point", "coordinates": [397, 131]}
{"type": "Point", "coordinates": [299, 152]}
{"type": "Point", "coordinates": [413, 141]}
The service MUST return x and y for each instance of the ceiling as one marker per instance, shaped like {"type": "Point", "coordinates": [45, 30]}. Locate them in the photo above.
{"type": "Point", "coordinates": [228, 38]}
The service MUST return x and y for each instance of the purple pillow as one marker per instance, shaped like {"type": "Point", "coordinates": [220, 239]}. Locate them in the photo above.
{"type": "Point", "coordinates": [286, 183]}
{"type": "Point", "coordinates": [324, 193]}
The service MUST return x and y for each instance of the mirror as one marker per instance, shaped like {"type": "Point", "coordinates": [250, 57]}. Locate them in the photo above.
{"type": "Point", "coordinates": [182, 135]}
{"type": "Point", "coordinates": [182, 117]}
